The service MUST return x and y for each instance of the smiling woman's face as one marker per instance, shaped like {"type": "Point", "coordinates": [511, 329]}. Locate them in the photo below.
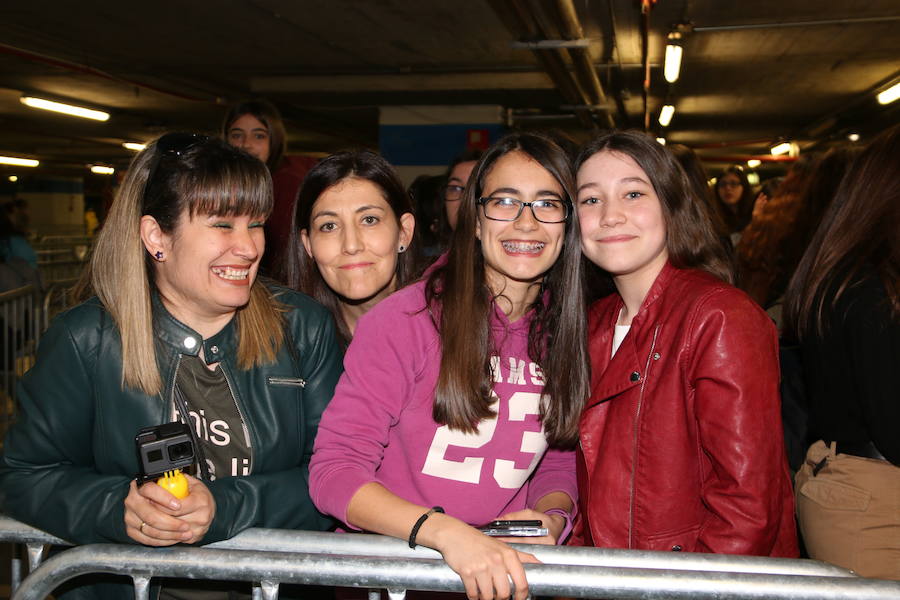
{"type": "Point", "coordinates": [354, 237]}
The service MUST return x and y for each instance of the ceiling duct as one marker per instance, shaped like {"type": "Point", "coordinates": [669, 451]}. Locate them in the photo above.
{"type": "Point", "coordinates": [532, 21]}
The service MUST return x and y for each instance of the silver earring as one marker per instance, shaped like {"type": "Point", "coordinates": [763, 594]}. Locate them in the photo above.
{"type": "Point", "coordinates": [402, 249]}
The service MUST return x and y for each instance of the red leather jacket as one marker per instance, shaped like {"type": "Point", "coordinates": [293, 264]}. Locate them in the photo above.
{"type": "Point", "coordinates": [681, 439]}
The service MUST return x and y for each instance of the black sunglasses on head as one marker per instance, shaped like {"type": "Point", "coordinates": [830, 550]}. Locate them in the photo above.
{"type": "Point", "coordinates": [175, 143]}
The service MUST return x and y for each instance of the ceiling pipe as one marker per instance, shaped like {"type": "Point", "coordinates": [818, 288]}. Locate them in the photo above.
{"type": "Point", "coordinates": [520, 20]}
{"type": "Point", "coordinates": [645, 58]}
{"type": "Point", "coordinates": [581, 57]}
{"type": "Point", "coordinates": [850, 21]}
{"type": "Point", "coordinates": [83, 69]}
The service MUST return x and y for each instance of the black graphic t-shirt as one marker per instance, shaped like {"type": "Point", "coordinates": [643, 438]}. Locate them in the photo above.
{"type": "Point", "coordinates": [215, 417]}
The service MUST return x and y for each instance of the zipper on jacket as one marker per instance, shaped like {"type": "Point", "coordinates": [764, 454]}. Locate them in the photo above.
{"type": "Point", "coordinates": [237, 404]}
{"type": "Point", "coordinates": [634, 438]}
{"type": "Point", "coordinates": [274, 380]}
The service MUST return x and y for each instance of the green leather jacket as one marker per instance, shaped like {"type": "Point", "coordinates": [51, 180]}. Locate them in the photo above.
{"type": "Point", "coordinates": [69, 458]}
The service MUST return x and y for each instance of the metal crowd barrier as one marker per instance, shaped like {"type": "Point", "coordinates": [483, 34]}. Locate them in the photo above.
{"type": "Point", "coordinates": [272, 557]}
{"type": "Point", "coordinates": [20, 328]}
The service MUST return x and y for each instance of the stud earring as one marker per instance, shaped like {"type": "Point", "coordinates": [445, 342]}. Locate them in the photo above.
{"type": "Point", "coordinates": [402, 249]}
{"type": "Point", "coordinates": [158, 255]}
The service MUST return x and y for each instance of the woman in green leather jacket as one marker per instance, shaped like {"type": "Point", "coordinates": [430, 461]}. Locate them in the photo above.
{"type": "Point", "coordinates": [179, 323]}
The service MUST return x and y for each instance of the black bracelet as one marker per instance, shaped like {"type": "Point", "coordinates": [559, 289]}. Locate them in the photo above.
{"type": "Point", "coordinates": [415, 529]}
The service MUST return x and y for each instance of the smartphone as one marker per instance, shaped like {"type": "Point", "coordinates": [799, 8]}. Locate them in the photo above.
{"type": "Point", "coordinates": [515, 528]}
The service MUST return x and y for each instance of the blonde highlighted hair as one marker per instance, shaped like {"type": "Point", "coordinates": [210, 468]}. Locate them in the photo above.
{"type": "Point", "coordinates": [206, 176]}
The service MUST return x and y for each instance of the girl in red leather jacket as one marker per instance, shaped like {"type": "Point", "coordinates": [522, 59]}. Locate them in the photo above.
{"type": "Point", "coordinates": [681, 438]}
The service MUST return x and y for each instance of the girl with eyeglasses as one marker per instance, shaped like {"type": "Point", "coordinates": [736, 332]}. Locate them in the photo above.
{"type": "Point", "coordinates": [681, 444]}
{"type": "Point", "coordinates": [734, 201]}
{"type": "Point", "coordinates": [461, 395]}
{"type": "Point", "coordinates": [178, 328]}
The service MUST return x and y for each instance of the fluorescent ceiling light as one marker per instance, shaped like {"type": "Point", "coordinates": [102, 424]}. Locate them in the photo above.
{"type": "Point", "coordinates": [673, 62]}
{"type": "Point", "coordinates": [889, 95]}
{"type": "Point", "coordinates": [662, 141]}
{"type": "Point", "coordinates": [101, 170]}
{"type": "Point", "coordinates": [18, 162]}
{"type": "Point", "coordinates": [753, 163]}
{"type": "Point", "coordinates": [782, 148]}
{"type": "Point", "coordinates": [666, 114]}
{"type": "Point", "coordinates": [134, 146]}
{"type": "Point", "coordinates": [67, 109]}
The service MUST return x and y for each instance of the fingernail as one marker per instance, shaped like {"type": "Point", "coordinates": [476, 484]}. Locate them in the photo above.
{"type": "Point", "coordinates": [174, 505]}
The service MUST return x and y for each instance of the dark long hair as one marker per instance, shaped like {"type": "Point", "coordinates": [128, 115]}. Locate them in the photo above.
{"type": "Point", "coordinates": [736, 218]}
{"type": "Point", "coordinates": [269, 116]}
{"type": "Point", "coordinates": [859, 229]}
{"type": "Point", "coordinates": [301, 272]}
{"type": "Point", "coordinates": [691, 240]}
{"type": "Point", "coordinates": [460, 299]}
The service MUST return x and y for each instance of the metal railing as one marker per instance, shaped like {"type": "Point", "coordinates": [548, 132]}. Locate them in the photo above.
{"type": "Point", "coordinates": [272, 557]}
{"type": "Point", "coordinates": [20, 329]}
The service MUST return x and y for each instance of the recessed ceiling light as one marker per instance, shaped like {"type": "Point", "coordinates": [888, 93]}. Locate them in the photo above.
{"type": "Point", "coordinates": [13, 178]}
{"type": "Point", "coordinates": [134, 146]}
{"type": "Point", "coordinates": [853, 137]}
{"type": "Point", "coordinates": [102, 170]}
{"type": "Point", "coordinates": [753, 163]}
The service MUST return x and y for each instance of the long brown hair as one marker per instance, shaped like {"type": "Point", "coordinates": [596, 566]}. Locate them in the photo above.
{"type": "Point", "coordinates": [460, 299]}
{"type": "Point", "coordinates": [691, 240]}
{"type": "Point", "coordinates": [860, 228]}
{"type": "Point", "coordinates": [207, 177]}
{"type": "Point", "coordinates": [298, 270]}
{"type": "Point", "coordinates": [736, 217]}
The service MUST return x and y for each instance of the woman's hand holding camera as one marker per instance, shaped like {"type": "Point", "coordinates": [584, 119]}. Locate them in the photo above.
{"type": "Point", "coordinates": [154, 517]}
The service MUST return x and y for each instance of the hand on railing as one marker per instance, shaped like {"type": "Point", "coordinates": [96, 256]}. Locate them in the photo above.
{"type": "Point", "coordinates": [485, 565]}
{"type": "Point", "coordinates": [554, 524]}
{"type": "Point", "coordinates": [154, 517]}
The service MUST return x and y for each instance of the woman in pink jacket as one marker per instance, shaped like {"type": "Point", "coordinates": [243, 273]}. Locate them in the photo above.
{"type": "Point", "coordinates": [681, 440]}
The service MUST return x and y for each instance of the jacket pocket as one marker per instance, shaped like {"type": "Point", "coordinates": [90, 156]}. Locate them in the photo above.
{"type": "Point", "coordinates": [286, 381]}
{"type": "Point", "coordinates": [683, 540]}
{"type": "Point", "coordinates": [835, 495]}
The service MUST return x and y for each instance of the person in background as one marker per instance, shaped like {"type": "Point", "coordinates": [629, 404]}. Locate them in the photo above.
{"type": "Point", "coordinates": [767, 253]}
{"type": "Point", "coordinates": [843, 304]}
{"type": "Point", "coordinates": [457, 178]}
{"type": "Point", "coordinates": [767, 190]}
{"type": "Point", "coordinates": [487, 353]}
{"type": "Point", "coordinates": [680, 441]}
{"type": "Point", "coordinates": [256, 127]}
{"type": "Point", "coordinates": [13, 237]}
{"type": "Point", "coordinates": [427, 193]}
{"type": "Point", "coordinates": [179, 329]}
{"type": "Point", "coordinates": [734, 201]}
{"type": "Point", "coordinates": [353, 236]}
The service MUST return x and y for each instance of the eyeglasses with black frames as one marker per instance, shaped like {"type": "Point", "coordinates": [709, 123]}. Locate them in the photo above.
{"type": "Point", "coordinates": [452, 193]}
{"type": "Point", "coordinates": [546, 210]}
